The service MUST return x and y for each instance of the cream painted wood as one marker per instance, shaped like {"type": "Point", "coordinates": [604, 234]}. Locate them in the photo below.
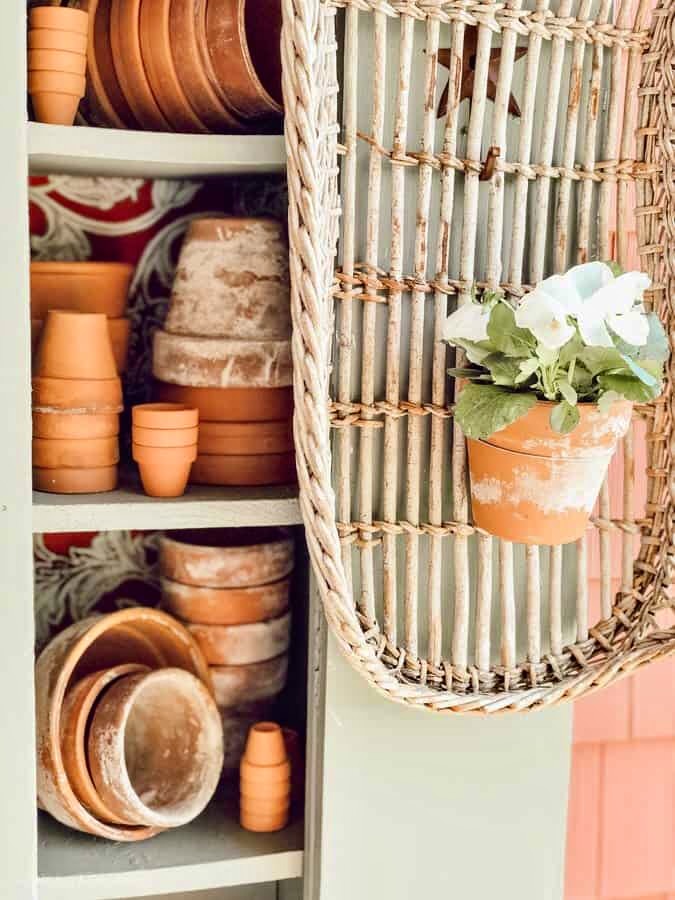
{"type": "Point", "coordinates": [250, 892]}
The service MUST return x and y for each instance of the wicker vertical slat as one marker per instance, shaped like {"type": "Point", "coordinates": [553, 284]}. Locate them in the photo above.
{"type": "Point", "coordinates": [431, 611]}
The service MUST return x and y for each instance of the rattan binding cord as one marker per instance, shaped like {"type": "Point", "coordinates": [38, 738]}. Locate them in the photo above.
{"type": "Point", "coordinates": [433, 613]}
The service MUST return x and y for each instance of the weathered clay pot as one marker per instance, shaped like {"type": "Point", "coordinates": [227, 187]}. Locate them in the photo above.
{"type": "Point", "coordinates": [76, 453]}
{"type": "Point", "coordinates": [531, 485]}
{"type": "Point", "coordinates": [164, 416]}
{"type": "Point", "coordinates": [234, 685]}
{"type": "Point", "coordinates": [232, 281]}
{"type": "Point", "coordinates": [75, 345]}
{"type": "Point", "coordinates": [164, 470]}
{"type": "Point", "coordinates": [75, 481]}
{"type": "Point", "coordinates": [155, 748]}
{"type": "Point", "coordinates": [66, 425]}
{"type": "Point", "coordinates": [100, 287]}
{"type": "Point", "coordinates": [245, 438]}
{"type": "Point", "coordinates": [231, 404]}
{"type": "Point", "coordinates": [273, 468]}
{"type": "Point", "coordinates": [165, 437]}
{"type": "Point", "coordinates": [91, 645]}
{"type": "Point", "coordinates": [225, 606]}
{"type": "Point", "coordinates": [53, 39]}
{"type": "Point", "coordinates": [57, 61]}
{"type": "Point", "coordinates": [239, 645]}
{"type": "Point", "coordinates": [55, 96]}
{"type": "Point", "coordinates": [78, 704]}
{"type": "Point", "coordinates": [101, 395]}
{"type": "Point", "coordinates": [227, 557]}
{"type": "Point", "coordinates": [220, 362]}
{"type": "Point", "coordinates": [105, 100]}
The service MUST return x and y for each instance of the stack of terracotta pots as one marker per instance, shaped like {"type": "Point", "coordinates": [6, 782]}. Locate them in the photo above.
{"type": "Point", "coordinates": [57, 61]}
{"type": "Point", "coordinates": [92, 287]}
{"type": "Point", "coordinates": [164, 446]}
{"type": "Point", "coordinates": [265, 782]}
{"type": "Point", "coordinates": [226, 349]}
{"type": "Point", "coordinates": [232, 589]}
{"type": "Point", "coordinates": [129, 741]}
{"type": "Point", "coordinates": [77, 398]}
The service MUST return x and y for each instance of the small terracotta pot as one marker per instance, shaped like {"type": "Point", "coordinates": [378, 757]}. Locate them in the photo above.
{"type": "Point", "coordinates": [239, 645]}
{"type": "Point", "coordinates": [247, 471]}
{"type": "Point", "coordinates": [59, 18]}
{"type": "Point", "coordinates": [263, 824]}
{"type": "Point", "coordinates": [120, 332]}
{"type": "Point", "coordinates": [265, 779]}
{"type": "Point", "coordinates": [228, 557]}
{"type": "Point", "coordinates": [104, 97]}
{"type": "Point", "coordinates": [155, 748]}
{"type": "Point", "coordinates": [165, 437]}
{"type": "Point", "coordinates": [78, 704]}
{"type": "Point", "coordinates": [242, 684]}
{"type": "Point", "coordinates": [265, 745]}
{"type": "Point", "coordinates": [231, 404]}
{"type": "Point", "coordinates": [237, 723]}
{"type": "Point", "coordinates": [164, 470]}
{"type": "Point", "coordinates": [51, 39]}
{"type": "Point", "coordinates": [245, 438]}
{"type": "Point", "coordinates": [66, 425]}
{"type": "Point", "coordinates": [76, 453]}
{"type": "Point", "coordinates": [255, 779]}
{"type": "Point", "coordinates": [95, 287]}
{"type": "Point", "coordinates": [265, 807]}
{"type": "Point", "coordinates": [225, 606]}
{"type": "Point", "coordinates": [56, 96]}
{"type": "Point", "coordinates": [102, 395]}
{"type": "Point", "coordinates": [75, 345]}
{"type": "Point", "coordinates": [57, 61]}
{"type": "Point", "coordinates": [164, 415]}
{"type": "Point", "coordinates": [75, 481]}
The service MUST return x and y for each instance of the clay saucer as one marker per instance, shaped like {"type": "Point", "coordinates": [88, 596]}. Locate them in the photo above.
{"type": "Point", "coordinates": [230, 404]}
{"type": "Point", "coordinates": [104, 95]}
{"type": "Point", "coordinates": [225, 606]}
{"type": "Point", "coordinates": [245, 438]}
{"type": "Point", "coordinates": [239, 645]}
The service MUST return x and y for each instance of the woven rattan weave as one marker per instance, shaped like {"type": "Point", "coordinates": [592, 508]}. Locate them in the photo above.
{"type": "Point", "coordinates": [540, 160]}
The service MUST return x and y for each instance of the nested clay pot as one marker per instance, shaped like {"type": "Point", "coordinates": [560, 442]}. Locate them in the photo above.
{"type": "Point", "coordinates": [164, 470]}
{"type": "Point", "coordinates": [139, 635]}
{"type": "Point", "coordinates": [165, 437]}
{"type": "Point", "coordinates": [55, 39]}
{"type": "Point", "coordinates": [95, 287]}
{"type": "Point", "coordinates": [120, 332]}
{"type": "Point", "coordinates": [226, 557]}
{"type": "Point", "coordinates": [239, 645]}
{"type": "Point", "coordinates": [155, 748]}
{"type": "Point", "coordinates": [265, 786]}
{"type": "Point", "coordinates": [234, 685]}
{"type": "Point", "coordinates": [237, 722]}
{"type": "Point", "coordinates": [57, 61]}
{"type": "Point", "coordinates": [59, 18]}
{"type": "Point", "coordinates": [105, 101]}
{"type": "Point", "coordinates": [164, 416]}
{"type": "Point", "coordinates": [532, 485]}
{"type": "Point", "coordinates": [97, 480]}
{"type": "Point", "coordinates": [77, 395]}
{"type": "Point", "coordinates": [56, 87]}
{"type": "Point", "coordinates": [230, 404]}
{"type": "Point", "coordinates": [225, 606]}
{"type": "Point", "coordinates": [75, 345]}
{"type": "Point", "coordinates": [245, 438]}
{"type": "Point", "coordinates": [232, 281]}
{"type": "Point", "coordinates": [77, 453]}
{"type": "Point", "coordinates": [61, 425]}
{"type": "Point", "coordinates": [55, 96]}
{"type": "Point", "coordinates": [271, 468]}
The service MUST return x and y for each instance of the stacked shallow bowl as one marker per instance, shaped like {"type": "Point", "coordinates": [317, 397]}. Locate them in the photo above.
{"type": "Point", "coordinates": [226, 350]}
{"type": "Point", "coordinates": [232, 588]}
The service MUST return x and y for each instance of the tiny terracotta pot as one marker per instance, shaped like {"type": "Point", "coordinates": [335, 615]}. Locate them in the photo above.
{"type": "Point", "coordinates": [95, 287]}
{"type": "Point", "coordinates": [76, 453]}
{"type": "Point", "coordinates": [120, 332]}
{"type": "Point", "coordinates": [57, 61]}
{"type": "Point", "coordinates": [265, 745]}
{"type": "Point", "coordinates": [245, 438]}
{"type": "Point", "coordinates": [255, 779]}
{"type": "Point", "coordinates": [75, 481]}
{"type": "Point", "coordinates": [239, 645]}
{"type": "Point", "coordinates": [65, 425]}
{"type": "Point", "coordinates": [75, 345]}
{"type": "Point", "coordinates": [225, 606]}
{"type": "Point", "coordinates": [242, 684]}
{"type": "Point", "coordinates": [227, 557]}
{"type": "Point", "coordinates": [164, 415]}
{"type": "Point", "coordinates": [155, 748]}
{"type": "Point", "coordinates": [263, 824]}
{"type": "Point", "coordinates": [265, 806]}
{"type": "Point", "coordinates": [230, 404]}
{"type": "Point", "coordinates": [51, 39]}
{"type": "Point", "coordinates": [55, 96]}
{"type": "Point", "coordinates": [77, 395]}
{"type": "Point", "coordinates": [164, 470]}
{"type": "Point", "coordinates": [59, 18]}
{"type": "Point", "coordinates": [265, 779]}
{"type": "Point", "coordinates": [165, 437]}
{"type": "Point", "coordinates": [246, 471]}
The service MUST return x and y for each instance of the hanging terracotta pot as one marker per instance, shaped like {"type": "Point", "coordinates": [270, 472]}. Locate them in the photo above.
{"type": "Point", "coordinates": [94, 287]}
{"type": "Point", "coordinates": [164, 470]}
{"type": "Point", "coordinates": [75, 345]}
{"type": "Point", "coordinates": [244, 684]}
{"type": "Point", "coordinates": [76, 453]}
{"type": "Point", "coordinates": [75, 481]}
{"type": "Point", "coordinates": [273, 468]}
{"type": "Point", "coordinates": [532, 485]}
{"type": "Point", "coordinates": [155, 748]}
{"type": "Point", "coordinates": [102, 395]}
{"type": "Point", "coordinates": [66, 425]}
{"type": "Point", "coordinates": [172, 416]}
{"type": "Point", "coordinates": [225, 606]}
{"type": "Point", "coordinates": [239, 645]}
{"type": "Point", "coordinates": [230, 404]}
{"type": "Point", "coordinates": [245, 438]}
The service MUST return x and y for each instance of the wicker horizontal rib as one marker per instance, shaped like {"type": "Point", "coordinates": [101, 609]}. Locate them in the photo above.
{"type": "Point", "coordinates": [433, 612]}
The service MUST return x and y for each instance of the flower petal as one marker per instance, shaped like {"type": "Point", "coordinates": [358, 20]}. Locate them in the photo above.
{"type": "Point", "coordinates": [591, 322]}
{"type": "Point", "coordinates": [545, 317]}
{"type": "Point", "coordinates": [632, 327]}
{"type": "Point", "coordinates": [590, 277]}
{"type": "Point", "coordinates": [564, 291]}
{"type": "Point", "coordinates": [620, 295]}
{"type": "Point", "coordinates": [468, 322]}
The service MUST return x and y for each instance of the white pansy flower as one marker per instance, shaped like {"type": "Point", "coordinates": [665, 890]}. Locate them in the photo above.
{"type": "Point", "coordinates": [577, 285]}
{"type": "Point", "coordinates": [468, 323]}
{"type": "Point", "coordinates": [546, 318]}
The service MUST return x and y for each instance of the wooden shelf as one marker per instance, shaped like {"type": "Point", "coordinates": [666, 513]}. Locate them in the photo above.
{"type": "Point", "coordinates": [80, 150]}
{"type": "Point", "coordinates": [211, 852]}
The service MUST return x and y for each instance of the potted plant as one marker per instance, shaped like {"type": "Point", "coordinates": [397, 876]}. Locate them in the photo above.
{"type": "Point", "coordinates": [552, 380]}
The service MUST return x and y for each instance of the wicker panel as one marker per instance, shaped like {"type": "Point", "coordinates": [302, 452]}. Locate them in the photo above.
{"type": "Point", "coordinates": [432, 611]}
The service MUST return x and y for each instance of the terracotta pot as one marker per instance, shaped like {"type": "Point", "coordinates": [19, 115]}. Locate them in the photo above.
{"type": "Point", "coordinates": [225, 606]}
{"type": "Point", "coordinates": [237, 722]}
{"type": "Point", "coordinates": [265, 779]}
{"type": "Point", "coordinates": [246, 57]}
{"type": "Point", "coordinates": [165, 437]}
{"type": "Point", "coordinates": [164, 470]}
{"type": "Point", "coordinates": [120, 332]}
{"type": "Point", "coordinates": [160, 69]}
{"type": "Point", "coordinates": [64, 425]}
{"type": "Point", "coordinates": [57, 61]}
{"type": "Point", "coordinates": [75, 453]}
{"type": "Point", "coordinates": [171, 416]}
{"type": "Point", "coordinates": [226, 558]}
{"type": "Point", "coordinates": [545, 491]}
{"type": "Point", "coordinates": [265, 745]}
{"type": "Point", "coordinates": [104, 97]}
{"type": "Point", "coordinates": [265, 807]}
{"type": "Point", "coordinates": [219, 362]}
{"type": "Point", "coordinates": [263, 824]}
{"type": "Point", "coordinates": [230, 404]}
{"type": "Point", "coordinates": [53, 39]}
{"type": "Point", "coordinates": [275, 778]}
{"type": "Point", "coordinates": [95, 287]}
{"type": "Point", "coordinates": [128, 61]}
{"type": "Point", "coordinates": [232, 281]}
{"type": "Point", "coordinates": [239, 645]}
{"type": "Point", "coordinates": [257, 681]}
{"type": "Point", "coordinates": [91, 645]}
{"type": "Point", "coordinates": [102, 395]}
{"type": "Point", "coordinates": [274, 468]}
{"type": "Point", "coordinates": [155, 748]}
{"type": "Point", "coordinates": [245, 438]}
{"type": "Point", "coordinates": [55, 96]}
{"type": "Point", "coordinates": [75, 345]}
{"type": "Point", "coordinates": [75, 481]}
{"type": "Point", "coordinates": [59, 18]}
{"type": "Point", "coordinates": [78, 704]}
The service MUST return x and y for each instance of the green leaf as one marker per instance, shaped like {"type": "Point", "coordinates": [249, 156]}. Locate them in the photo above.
{"type": "Point", "coordinates": [476, 351]}
{"type": "Point", "coordinates": [641, 373]}
{"type": "Point", "coordinates": [504, 370]}
{"type": "Point", "coordinates": [628, 386]}
{"type": "Point", "coordinates": [564, 417]}
{"type": "Point", "coordinates": [567, 392]}
{"type": "Point", "coordinates": [582, 380]}
{"type": "Point", "coordinates": [483, 409]}
{"type": "Point", "coordinates": [606, 400]}
{"type": "Point", "coordinates": [505, 334]}
{"type": "Point", "coordinates": [657, 347]}
{"type": "Point", "coordinates": [601, 359]}
{"type": "Point", "coordinates": [528, 367]}
{"type": "Point", "coordinates": [570, 350]}
{"type": "Point", "coordinates": [471, 374]}
{"type": "Point", "coordinates": [614, 266]}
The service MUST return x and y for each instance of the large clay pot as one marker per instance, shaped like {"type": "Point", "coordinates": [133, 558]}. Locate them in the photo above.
{"type": "Point", "coordinates": [90, 645]}
{"type": "Point", "coordinates": [75, 345]}
{"type": "Point", "coordinates": [105, 100]}
{"type": "Point", "coordinates": [225, 606]}
{"type": "Point", "coordinates": [532, 485]}
{"type": "Point", "coordinates": [245, 438]}
{"type": "Point", "coordinates": [67, 425]}
{"type": "Point", "coordinates": [232, 281]}
{"type": "Point", "coordinates": [155, 748]}
{"type": "Point", "coordinates": [235, 685]}
{"type": "Point", "coordinates": [75, 481]}
{"type": "Point", "coordinates": [164, 470]}
{"type": "Point", "coordinates": [239, 645]}
{"type": "Point", "coordinates": [101, 395]}
{"type": "Point", "coordinates": [101, 287]}
{"type": "Point", "coordinates": [55, 96]}
{"type": "Point", "coordinates": [77, 453]}
{"type": "Point", "coordinates": [231, 404]}
{"type": "Point", "coordinates": [273, 468]}
{"type": "Point", "coordinates": [226, 558]}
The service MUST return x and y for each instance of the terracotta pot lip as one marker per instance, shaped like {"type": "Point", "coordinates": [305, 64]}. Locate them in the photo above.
{"type": "Point", "coordinates": [550, 459]}
{"type": "Point", "coordinates": [63, 267]}
{"type": "Point", "coordinates": [249, 590]}
{"type": "Point", "coordinates": [79, 17]}
{"type": "Point", "coordinates": [164, 416]}
{"type": "Point", "coordinates": [238, 667]}
{"type": "Point", "coordinates": [51, 380]}
{"type": "Point", "coordinates": [582, 404]}
{"type": "Point", "coordinates": [212, 540]}
{"type": "Point", "coordinates": [219, 220]}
